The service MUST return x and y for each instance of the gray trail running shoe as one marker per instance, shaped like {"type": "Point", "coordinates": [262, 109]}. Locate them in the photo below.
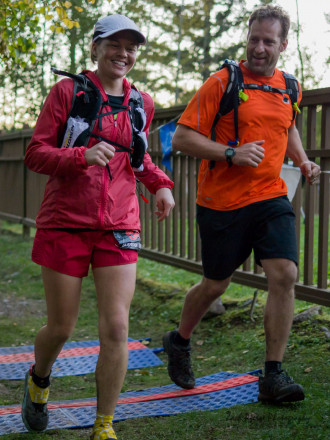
{"type": "Point", "coordinates": [34, 415]}
{"type": "Point", "coordinates": [179, 365]}
{"type": "Point", "coordinates": [279, 387]}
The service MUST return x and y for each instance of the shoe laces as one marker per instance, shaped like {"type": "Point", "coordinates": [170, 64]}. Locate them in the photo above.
{"type": "Point", "coordinates": [284, 378]}
{"type": "Point", "coordinates": [280, 378]}
{"type": "Point", "coordinates": [103, 431]}
{"type": "Point", "coordinates": [183, 356]}
{"type": "Point", "coordinates": [39, 396]}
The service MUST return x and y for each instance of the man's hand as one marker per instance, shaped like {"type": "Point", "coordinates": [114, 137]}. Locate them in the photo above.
{"type": "Point", "coordinates": [164, 202]}
{"type": "Point", "coordinates": [100, 154]}
{"type": "Point", "coordinates": [250, 154]}
{"type": "Point", "coordinates": [311, 171]}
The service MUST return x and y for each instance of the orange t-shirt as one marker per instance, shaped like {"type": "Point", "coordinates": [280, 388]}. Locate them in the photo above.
{"type": "Point", "coordinates": [264, 116]}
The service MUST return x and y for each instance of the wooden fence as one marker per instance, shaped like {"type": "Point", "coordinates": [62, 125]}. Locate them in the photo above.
{"type": "Point", "coordinates": [176, 241]}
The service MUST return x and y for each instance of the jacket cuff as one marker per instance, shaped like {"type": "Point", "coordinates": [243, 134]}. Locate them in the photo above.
{"type": "Point", "coordinates": [80, 157]}
{"type": "Point", "coordinates": [163, 184]}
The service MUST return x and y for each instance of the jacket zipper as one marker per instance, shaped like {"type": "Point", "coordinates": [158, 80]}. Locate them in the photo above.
{"type": "Point", "coordinates": [107, 175]}
{"type": "Point", "coordinates": [104, 196]}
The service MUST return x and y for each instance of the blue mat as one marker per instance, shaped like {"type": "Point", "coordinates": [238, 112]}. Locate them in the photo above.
{"type": "Point", "coordinates": [140, 357]}
{"type": "Point", "coordinates": [82, 412]}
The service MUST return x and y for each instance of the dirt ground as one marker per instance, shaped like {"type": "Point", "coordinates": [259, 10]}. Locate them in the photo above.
{"type": "Point", "coordinates": [16, 307]}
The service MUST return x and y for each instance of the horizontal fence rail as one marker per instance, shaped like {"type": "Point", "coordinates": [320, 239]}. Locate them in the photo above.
{"type": "Point", "coordinates": [176, 241]}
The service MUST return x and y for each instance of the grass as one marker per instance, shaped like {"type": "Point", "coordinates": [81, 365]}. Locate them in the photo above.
{"type": "Point", "coordinates": [231, 342]}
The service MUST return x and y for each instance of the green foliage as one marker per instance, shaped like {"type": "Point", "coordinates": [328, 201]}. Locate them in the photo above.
{"type": "Point", "coordinates": [18, 21]}
{"type": "Point", "coordinates": [186, 42]}
{"type": "Point", "coordinates": [53, 30]}
{"type": "Point", "coordinates": [78, 39]}
{"type": "Point", "coordinates": [214, 26]}
{"type": "Point", "coordinates": [20, 26]}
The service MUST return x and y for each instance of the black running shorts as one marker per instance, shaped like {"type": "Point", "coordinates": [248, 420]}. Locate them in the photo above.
{"type": "Point", "coordinates": [228, 237]}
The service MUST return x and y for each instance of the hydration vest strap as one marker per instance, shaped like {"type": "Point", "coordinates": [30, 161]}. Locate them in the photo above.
{"type": "Point", "coordinates": [84, 87]}
{"type": "Point", "coordinates": [113, 112]}
{"type": "Point", "coordinates": [267, 88]}
{"type": "Point", "coordinates": [120, 148]}
{"type": "Point", "coordinates": [230, 100]}
{"type": "Point", "coordinates": [81, 78]}
{"type": "Point", "coordinates": [292, 85]}
{"type": "Point", "coordinates": [74, 76]}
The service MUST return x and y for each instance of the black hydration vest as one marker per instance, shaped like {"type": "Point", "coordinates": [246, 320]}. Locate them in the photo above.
{"type": "Point", "coordinates": [87, 110]}
{"type": "Point", "coordinates": [234, 95]}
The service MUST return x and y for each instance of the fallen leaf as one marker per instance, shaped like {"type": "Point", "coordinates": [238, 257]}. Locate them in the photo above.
{"type": "Point", "coordinates": [210, 358]}
{"type": "Point", "coordinates": [252, 416]}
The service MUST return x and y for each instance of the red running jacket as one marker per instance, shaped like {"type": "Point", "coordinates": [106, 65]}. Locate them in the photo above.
{"type": "Point", "coordinates": [82, 196]}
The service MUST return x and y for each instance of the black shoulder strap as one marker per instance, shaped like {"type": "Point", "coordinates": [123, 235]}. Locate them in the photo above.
{"type": "Point", "coordinates": [138, 119]}
{"type": "Point", "coordinates": [135, 97]}
{"type": "Point", "coordinates": [234, 94]}
{"type": "Point", "coordinates": [86, 103]}
{"type": "Point", "coordinates": [231, 97]}
{"type": "Point", "coordinates": [292, 87]}
{"type": "Point", "coordinates": [135, 102]}
{"type": "Point", "coordinates": [230, 100]}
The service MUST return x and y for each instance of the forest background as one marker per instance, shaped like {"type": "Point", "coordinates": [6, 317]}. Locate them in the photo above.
{"type": "Point", "coordinates": [187, 40]}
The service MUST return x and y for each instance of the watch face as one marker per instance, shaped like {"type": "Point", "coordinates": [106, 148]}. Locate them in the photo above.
{"type": "Point", "coordinates": [230, 152]}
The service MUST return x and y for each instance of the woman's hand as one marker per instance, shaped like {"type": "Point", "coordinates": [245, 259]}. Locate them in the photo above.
{"type": "Point", "coordinates": [164, 202]}
{"type": "Point", "coordinates": [100, 154]}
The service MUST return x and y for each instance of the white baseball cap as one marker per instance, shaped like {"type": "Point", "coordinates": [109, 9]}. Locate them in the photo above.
{"type": "Point", "coordinates": [110, 25]}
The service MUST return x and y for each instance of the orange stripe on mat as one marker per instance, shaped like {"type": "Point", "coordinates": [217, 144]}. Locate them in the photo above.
{"type": "Point", "coordinates": [202, 389]}
{"type": "Point", "coordinates": [70, 352]}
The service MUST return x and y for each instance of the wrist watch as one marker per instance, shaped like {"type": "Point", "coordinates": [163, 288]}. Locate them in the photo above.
{"type": "Point", "coordinates": [230, 153]}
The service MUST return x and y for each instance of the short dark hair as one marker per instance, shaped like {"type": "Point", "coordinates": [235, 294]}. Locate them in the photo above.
{"type": "Point", "coordinates": [272, 12]}
{"type": "Point", "coordinates": [92, 54]}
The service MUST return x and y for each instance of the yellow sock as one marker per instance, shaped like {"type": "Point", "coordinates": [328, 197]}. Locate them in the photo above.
{"type": "Point", "coordinates": [37, 394]}
{"type": "Point", "coordinates": [103, 429]}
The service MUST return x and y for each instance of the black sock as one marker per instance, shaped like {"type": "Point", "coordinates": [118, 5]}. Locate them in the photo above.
{"type": "Point", "coordinates": [272, 367]}
{"type": "Point", "coordinates": [41, 382]}
{"type": "Point", "coordinates": [178, 339]}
